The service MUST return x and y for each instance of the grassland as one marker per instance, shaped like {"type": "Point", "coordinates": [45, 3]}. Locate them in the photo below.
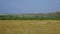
{"type": "Point", "coordinates": [29, 26]}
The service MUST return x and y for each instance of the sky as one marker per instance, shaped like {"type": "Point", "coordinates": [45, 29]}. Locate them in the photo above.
{"type": "Point", "coordinates": [28, 6]}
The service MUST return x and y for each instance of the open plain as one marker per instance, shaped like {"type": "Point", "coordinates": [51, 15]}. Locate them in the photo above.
{"type": "Point", "coordinates": [29, 26]}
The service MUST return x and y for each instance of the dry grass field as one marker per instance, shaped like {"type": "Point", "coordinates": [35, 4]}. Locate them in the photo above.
{"type": "Point", "coordinates": [29, 26]}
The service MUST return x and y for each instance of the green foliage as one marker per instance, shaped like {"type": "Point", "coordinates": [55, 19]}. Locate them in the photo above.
{"type": "Point", "coordinates": [39, 17]}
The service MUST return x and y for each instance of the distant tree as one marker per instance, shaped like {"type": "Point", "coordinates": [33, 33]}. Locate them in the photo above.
{"type": "Point", "coordinates": [57, 12]}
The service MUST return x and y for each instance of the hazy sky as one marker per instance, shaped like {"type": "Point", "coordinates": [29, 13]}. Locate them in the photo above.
{"type": "Point", "coordinates": [28, 6]}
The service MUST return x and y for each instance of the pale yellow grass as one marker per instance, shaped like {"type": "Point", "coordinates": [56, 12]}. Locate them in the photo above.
{"type": "Point", "coordinates": [29, 26]}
